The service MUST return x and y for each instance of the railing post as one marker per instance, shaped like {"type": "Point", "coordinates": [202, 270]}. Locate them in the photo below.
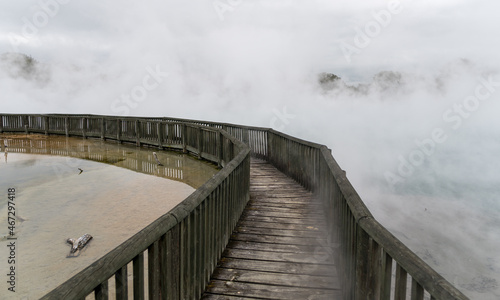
{"type": "Point", "coordinates": [137, 133]}
{"type": "Point", "coordinates": [138, 269]}
{"type": "Point", "coordinates": [101, 291]}
{"type": "Point", "coordinates": [103, 129]}
{"type": "Point", "coordinates": [121, 283]}
{"type": "Point", "coordinates": [200, 141]}
{"type": "Point", "coordinates": [46, 121]}
{"type": "Point", "coordinates": [245, 136]}
{"type": "Point", "coordinates": [221, 149]}
{"type": "Point", "coordinates": [84, 127]}
{"type": "Point", "coordinates": [269, 147]}
{"type": "Point", "coordinates": [160, 135]}
{"type": "Point", "coordinates": [1, 124]}
{"type": "Point", "coordinates": [119, 131]}
{"type": "Point", "coordinates": [66, 126]}
{"type": "Point", "coordinates": [184, 142]}
{"type": "Point", "coordinates": [362, 288]}
{"type": "Point", "coordinates": [25, 124]}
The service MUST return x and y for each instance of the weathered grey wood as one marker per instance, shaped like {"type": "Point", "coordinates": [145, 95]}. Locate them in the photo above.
{"type": "Point", "coordinates": [137, 133]}
{"type": "Point", "coordinates": [417, 292]}
{"type": "Point", "coordinates": [163, 266]}
{"type": "Point", "coordinates": [153, 272]}
{"type": "Point", "coordinates": [266, 291]}
{"type": "Point", "coordinates": [101, 291]}
{"type": "Point", "coordinates": [224, 297]}
{"type": "Point", "coordinates": [119, 130]}
{"type": "Point", "coordinates": [280, 232]}
{"type": "Point", "coordinates": [278, 266]}
{"type": "Point", "coordinates": [121, 286]}
{"type": "Point", "coordinates": [363, 289]}
{"type": "Point", "coordinates": [401, 278]}
{"type": "Point", "coordinates": [385, 293]}
{"type": "Point", "coordinates": [103, 129]}
{"type": "Point", "coordinates": [375, 269]}
{"type": "Point", "coordinates": [66, 126]}
{"type": "Point", "coordinates": [138, 269]}
{"type": "Point", "coordinates": [46, 121]}
{"type": "Point", "coordinates": [281, 259]}
{"type": "Point", "coordinates": [173, 263]}
{"type": "Point", "coordinates": [159, 129]}
{"type": "Point", "coordinates": [273, 278]}
{"type": "Point", "coordinates": [84, 128]}
{"type": "Point", "coordinates": [251, 222]}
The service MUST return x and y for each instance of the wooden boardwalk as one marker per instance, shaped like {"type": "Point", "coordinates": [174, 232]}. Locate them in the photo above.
{"type": "Point", "coordinates": [279, 248]}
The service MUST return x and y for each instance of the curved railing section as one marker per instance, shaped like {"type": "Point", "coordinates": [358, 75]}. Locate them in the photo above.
{"type": "Point", "coordinates": [180, 250]}
{"type": "Point", "coordinates": [373, 263]}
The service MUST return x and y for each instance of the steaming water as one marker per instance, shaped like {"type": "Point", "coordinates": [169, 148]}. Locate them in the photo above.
{"type": "Point", "coordinates": [111, 203]}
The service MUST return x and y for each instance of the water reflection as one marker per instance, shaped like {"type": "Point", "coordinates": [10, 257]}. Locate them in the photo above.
{"type": "Point", "coordinates": [175, 166]}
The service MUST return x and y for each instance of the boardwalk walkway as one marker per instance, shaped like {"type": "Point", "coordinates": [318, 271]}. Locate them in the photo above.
{"type": "Point", "coordinates": [278, 249]}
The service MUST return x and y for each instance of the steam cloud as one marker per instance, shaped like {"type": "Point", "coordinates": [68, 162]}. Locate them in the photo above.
{"type": "Point", "coordinates": [413, 117]}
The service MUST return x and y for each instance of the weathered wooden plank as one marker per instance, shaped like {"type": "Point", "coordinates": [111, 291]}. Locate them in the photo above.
{"type": "Point", "coordinates": [276, 256]}
{"type": "Point", "coordinates": [279, 232]}
{"type": "Point", "coordinates": [307, 222]}
{"type": "Point", "coordinates": [278, 266]}
{"type": "Point", "coordinates": [273, 201]}
{"type": "Point", "coordinates": [295, 280]}
{"type": "Point", "coordinates": [298, 215]}
{"type": "Point", "coordinates": [207, 296]}
{"type": "Point", "coordinates": [270, 291]}
{"type": "Point", "coordinates": [310, 249]}
{"type": "Point", "coordinates": [289, 211]}
{"type": "Point", "coordinates": [277, 239]}
{"type": "Point", "coordinates": [284, 226]}
{"type": "Point", "coordinates": [292, 204]}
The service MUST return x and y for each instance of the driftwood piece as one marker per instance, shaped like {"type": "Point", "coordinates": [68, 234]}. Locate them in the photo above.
{"type": "Point", "coordinates": [79, 243]}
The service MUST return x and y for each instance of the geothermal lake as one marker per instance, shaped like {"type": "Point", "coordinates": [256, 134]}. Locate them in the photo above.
{"type": "Point", "coordinates": [120, 191]}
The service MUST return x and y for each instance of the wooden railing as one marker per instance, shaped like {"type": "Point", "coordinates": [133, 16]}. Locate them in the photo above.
{"type": "Point", "coordinates": [181, 248]}
{"type": "Point", "coordinates": [373, 264]}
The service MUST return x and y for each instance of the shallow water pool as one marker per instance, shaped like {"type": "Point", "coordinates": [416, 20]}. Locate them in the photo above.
{"type": "Point", "coordinates": [73, 193]}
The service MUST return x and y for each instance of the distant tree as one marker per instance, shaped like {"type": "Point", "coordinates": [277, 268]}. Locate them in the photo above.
{"type": "Point", "coordinates": [21, 65]}
{"type": "Point", "coordinates": [388, 80]}
{"type": "Point", "coordinates": [329, 81]}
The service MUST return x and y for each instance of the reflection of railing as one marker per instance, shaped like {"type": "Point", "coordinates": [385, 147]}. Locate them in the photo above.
{"type": "Point", "coordinates": [182, 246]}
{"type": "Point", "coordinates": [200, 140]}
{"type": "Point", "coordinates": [370, 255]}
{"type": "Point", "coordinates": [173, 168]}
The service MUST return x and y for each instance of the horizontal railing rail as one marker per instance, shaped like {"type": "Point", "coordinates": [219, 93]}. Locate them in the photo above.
{"type": "Point", "coordinates": [374, 263]}
{"type": "Point", "coordinates": [178, 252]}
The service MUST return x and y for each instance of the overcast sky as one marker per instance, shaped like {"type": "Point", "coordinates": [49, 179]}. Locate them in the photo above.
{"type": "Point", "coordinates": [242, 54]}
{"type": "Point", "coordinates": [256, 63]}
